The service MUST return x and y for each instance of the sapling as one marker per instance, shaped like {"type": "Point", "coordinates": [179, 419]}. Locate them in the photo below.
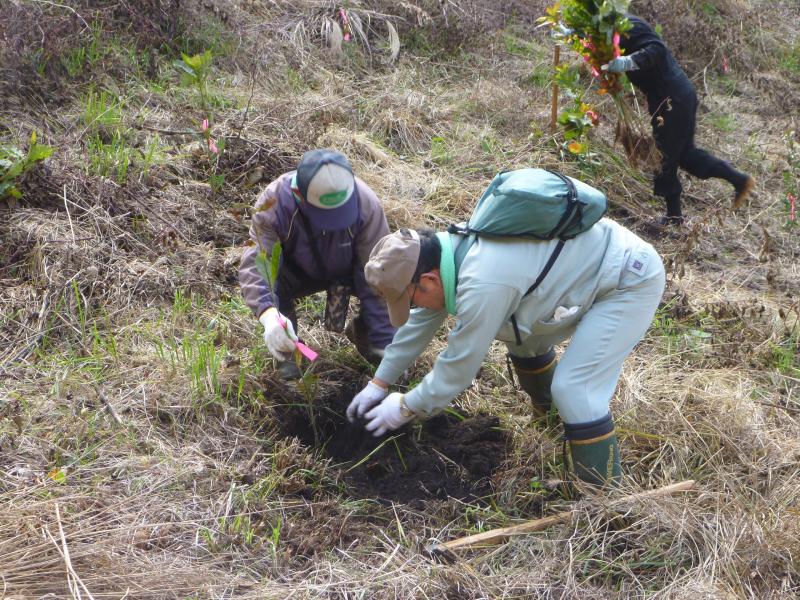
{"type": "Point", "coordinates": [215, 148]}
{"type": "Point", "coordinates": [194, 71]}
{"type": "Point", "coordinates": [309, 382]}
{"type": "Point", "coordinates": [591, 28]}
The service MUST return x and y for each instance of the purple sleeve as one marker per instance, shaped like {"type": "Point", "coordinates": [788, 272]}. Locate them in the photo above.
{"type": "Point", "coordinates": [263, 236]}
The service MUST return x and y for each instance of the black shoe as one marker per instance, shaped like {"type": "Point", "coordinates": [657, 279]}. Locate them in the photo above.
{"type": "Point", "coordinates": [288, 370]}
{"type": "Point", "coordinates": [672, 221]}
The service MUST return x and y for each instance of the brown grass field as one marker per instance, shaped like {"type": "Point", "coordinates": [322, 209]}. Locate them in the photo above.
{"type": "Point", "coordinates": [147, 449]}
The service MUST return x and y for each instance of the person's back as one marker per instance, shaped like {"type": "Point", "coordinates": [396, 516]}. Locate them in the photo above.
{"type": "Point", "coordinates": [658, 74]}
{"type": "Point", "coordinates": [588, 265]}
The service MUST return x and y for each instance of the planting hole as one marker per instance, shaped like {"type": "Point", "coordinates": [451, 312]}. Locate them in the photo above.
{"type": "Point", "coordinates": [446, 456]}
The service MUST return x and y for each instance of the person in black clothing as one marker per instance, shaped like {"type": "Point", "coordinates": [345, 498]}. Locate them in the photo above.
{"type": "Point", "coordinates": [672, 104]}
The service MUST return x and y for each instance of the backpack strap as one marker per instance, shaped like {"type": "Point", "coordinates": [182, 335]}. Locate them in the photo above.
{"type": "Point", "coordinates": [574, 211]}
{"type": "Point", "coordinates": [549, 265]}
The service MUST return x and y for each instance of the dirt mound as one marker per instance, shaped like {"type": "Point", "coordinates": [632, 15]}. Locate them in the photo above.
{"type": "Point", "coordinates": [450, 455]}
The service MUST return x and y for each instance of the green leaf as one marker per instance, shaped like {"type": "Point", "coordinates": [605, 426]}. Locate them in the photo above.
{"type": "Point", "coordinates": [275, 261]}
{"type": "Point", "coordinates": [8, 189]}
{"type": "Point", "coordinates": [185, 69]}
{"type": "Point", "coordinates": [263, 268]}
{"type": "Point", "coordinates": [198, 62]}
{"type": "Point", "coordinates": [15, 170]}
{"type": "Point", "coordinates": [39, 152]}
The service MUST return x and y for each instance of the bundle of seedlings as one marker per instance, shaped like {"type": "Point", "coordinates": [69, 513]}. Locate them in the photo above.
{"type": "Point", "coordinates": [592, 28]}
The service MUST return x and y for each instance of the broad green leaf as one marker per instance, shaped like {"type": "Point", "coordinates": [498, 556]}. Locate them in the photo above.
{"type": "Point", "coordinates": [15, 170]}
{"type": "Point", "coordinates": [39, 152]}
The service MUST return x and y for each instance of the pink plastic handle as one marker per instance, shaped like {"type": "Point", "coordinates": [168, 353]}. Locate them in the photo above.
{"type": "Point", "coordinates": [306, 351]}
{"type": "Point", "coordinates": [301, 347]}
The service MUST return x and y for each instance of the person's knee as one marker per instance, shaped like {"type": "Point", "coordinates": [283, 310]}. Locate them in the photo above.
{"type": "Point", "coordinates": [574, 401]}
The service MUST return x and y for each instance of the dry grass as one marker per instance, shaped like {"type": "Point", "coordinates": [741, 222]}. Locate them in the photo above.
{"type": "Point", "coordinates": [139, 450]}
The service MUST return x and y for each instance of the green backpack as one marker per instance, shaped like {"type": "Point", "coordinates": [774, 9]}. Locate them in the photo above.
{"type": "Point", "coordinates": [535, 204]}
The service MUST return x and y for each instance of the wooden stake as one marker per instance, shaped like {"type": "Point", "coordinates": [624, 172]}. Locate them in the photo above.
{"type": "Point", "coordinates": [554, 100]}
{"type": "Point", "coordinates": [499, 536]}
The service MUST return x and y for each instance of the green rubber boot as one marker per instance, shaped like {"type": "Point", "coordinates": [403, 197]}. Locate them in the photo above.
{"type": "Point", "coordinates": [535, 375]}
{"type": "Point", "coordinates": [592, 452]}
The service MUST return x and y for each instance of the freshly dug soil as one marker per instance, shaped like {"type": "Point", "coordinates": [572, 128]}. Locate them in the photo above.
{"type": "Point", "coordinates": [450, 455]}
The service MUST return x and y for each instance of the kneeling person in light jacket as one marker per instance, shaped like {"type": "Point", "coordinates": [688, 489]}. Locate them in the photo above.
{"type": "Point", "coordinates": [602, 291]}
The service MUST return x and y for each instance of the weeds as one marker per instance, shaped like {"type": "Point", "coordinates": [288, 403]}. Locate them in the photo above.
{"type": "Point", "coordinates": [112, 159]}
{"type": "Point", "coordinates": [102, 112]}
{"type": "Point", "coordinates": [14, 163]}
{"type": "Point", "coordinates": [790, 58]}
{"type": "Point", "coordinates": [75, 60]}
{"type": "Point", "coordinates": [724, 122]}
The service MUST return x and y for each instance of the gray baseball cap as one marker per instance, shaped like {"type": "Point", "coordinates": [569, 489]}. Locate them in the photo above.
{"type": "Point", "coordinates": [389, 271]}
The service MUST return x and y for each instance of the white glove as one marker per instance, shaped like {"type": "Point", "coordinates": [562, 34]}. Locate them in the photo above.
{"type": "Point", "coordinates": [387, 416]}
{"type": "Point", "coordinates": [279, 335]}
{"type": "Point", "coordinates": [364, 400]}
{"type": "Point", "coordinates": [561, 31]}
{"type": "Point", "coordinates": [620, 65]}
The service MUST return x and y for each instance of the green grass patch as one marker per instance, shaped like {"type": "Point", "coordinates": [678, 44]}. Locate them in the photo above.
{"type": "Point", "coordinates": [790, 58]}
{"type": "Point", "coordinates": [724, 122]}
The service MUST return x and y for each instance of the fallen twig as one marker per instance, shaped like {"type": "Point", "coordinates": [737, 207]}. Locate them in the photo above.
{"type": "Point", "coordinates": [499, 536]}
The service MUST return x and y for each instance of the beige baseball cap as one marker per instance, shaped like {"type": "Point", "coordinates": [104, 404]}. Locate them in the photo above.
{"type": "Point", "coordinates": [390, 268]}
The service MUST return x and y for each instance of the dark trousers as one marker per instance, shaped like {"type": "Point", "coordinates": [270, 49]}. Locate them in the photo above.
{"type": "Point", "coordinates": [293, 283]}
{"type": "Point", "coordinates": [291, 286]}
{"type": "Point", "coordinates": [675, 140]}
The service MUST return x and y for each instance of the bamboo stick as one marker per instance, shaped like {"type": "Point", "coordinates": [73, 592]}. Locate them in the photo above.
{"type": "Point", "coordinates": [499, 536]}
{"type": "Point", "coordinates": [554, 100]}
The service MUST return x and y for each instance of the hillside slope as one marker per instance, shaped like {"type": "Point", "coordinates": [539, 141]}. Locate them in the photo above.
{"type": "Point", "coordinates": [147, 449]}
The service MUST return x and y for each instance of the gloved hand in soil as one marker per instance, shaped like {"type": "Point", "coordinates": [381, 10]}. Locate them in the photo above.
{"type": "Point", "coordinates": [279, 335]}
{"type": "Point", "coordinates": [390, 414]}
{"type": "Point", "coordinates": [620, 64]}
{"type": "Point", "coordinates": [371, 395]}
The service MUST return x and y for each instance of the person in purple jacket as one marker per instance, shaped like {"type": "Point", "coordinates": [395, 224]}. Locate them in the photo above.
{"type": "Point", "coordinates": [327, 221]}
